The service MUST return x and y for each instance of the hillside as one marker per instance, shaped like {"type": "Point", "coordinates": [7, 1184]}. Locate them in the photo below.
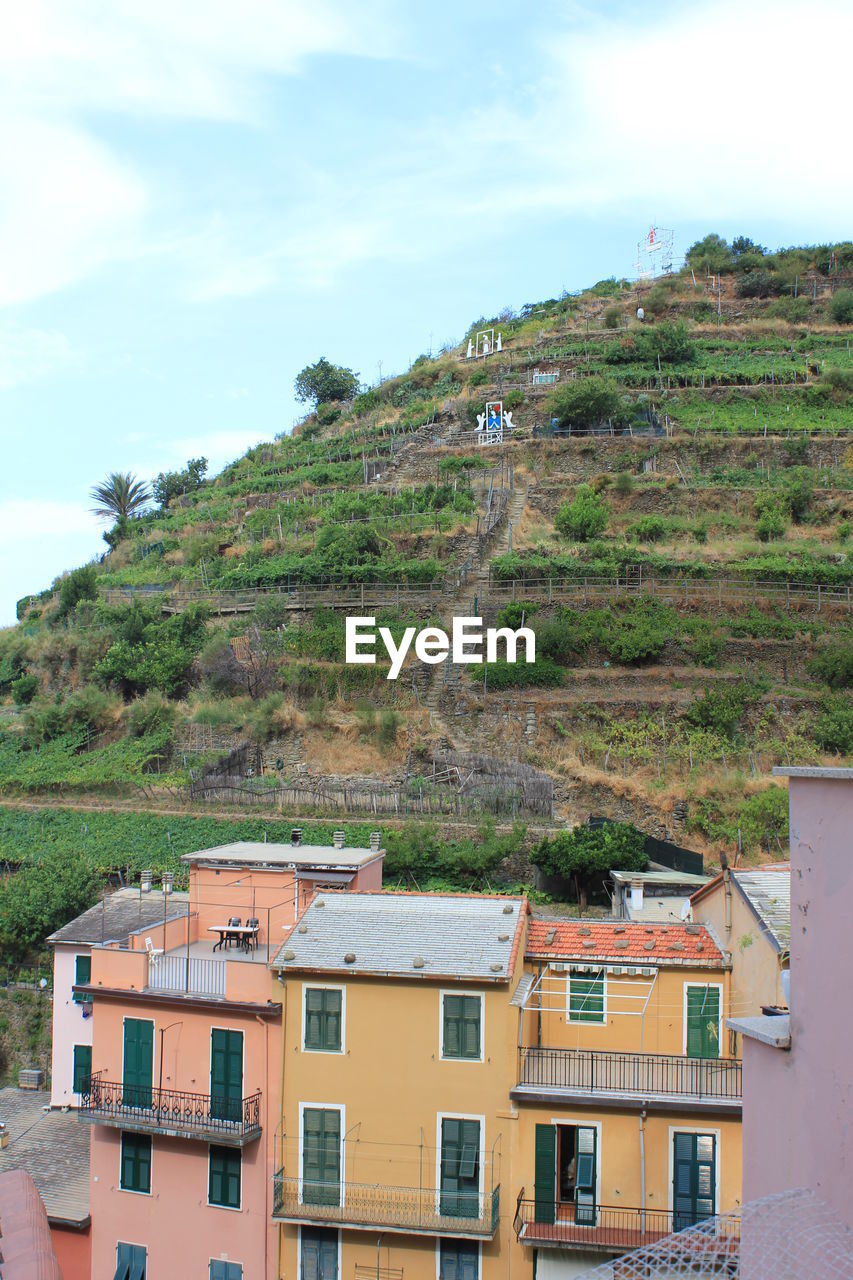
{"type": "Point", "coordinates": [671, 512]}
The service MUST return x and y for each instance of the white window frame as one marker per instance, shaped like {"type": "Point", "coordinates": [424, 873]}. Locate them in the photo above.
{"type": "Point", "coordinates": [705, 1132]}
{"type": "Point", "coordinates": [583, 1022]}
{"type": "Point", "coordinates": [129, 1190]}
{"type": "Point", "coordinates": [226, 1208]}
{"type": "Point", "coordinates": [455, 1240]}
{"type": "Point", "coordinates": [324, 1227]}
{"type": "Point", "coordinates": [453, 992]}
{"type": "Point", "coordinates": [459, 1115]}
{"type": "Point", "coordinates": [326, 986]}
{"type": "Point", "coordinates": [323, 1106]}
{"type": "Point", "coordinates": [229, 1261]}
{"type": "Point", "coordinates": [568, 1121]}
{"type": "Point", "coordinates": [702, 986]}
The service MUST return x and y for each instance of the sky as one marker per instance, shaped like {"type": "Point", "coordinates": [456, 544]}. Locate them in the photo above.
{"type": "Point", "coordinates": [199, 198]}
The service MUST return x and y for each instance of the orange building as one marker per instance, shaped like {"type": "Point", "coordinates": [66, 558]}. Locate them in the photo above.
{"type": "Point", "coordinates": [184, 1096]}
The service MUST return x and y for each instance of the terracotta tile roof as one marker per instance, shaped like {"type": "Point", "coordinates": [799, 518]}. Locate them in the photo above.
{"type": "Point", "coordinates": [623, 941]}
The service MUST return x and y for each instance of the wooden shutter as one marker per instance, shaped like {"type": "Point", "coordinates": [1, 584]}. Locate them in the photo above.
{"type": "Point", "coordinates": [138, 1073]}
{"type": "Point", "coordinates": [545, 1174]}
{"type": "Point", "coordinates": [321, 1156]}
{"type": "Point", "coordinates": [694, 1178]}
{"type": "Point", "coordinates": [452, 1046]}
{"type": "Point", "coordinates": [226, 1074]}
{"type": "Point", "coordinates": [586, 997]}
{"type": "Point", "coordinates": [585, 1176]}
{"type": "Point", "coordinates": [319, 1254]}
{"type": "Point", "coordinates": [703, 1022]}
{"type": "Point", "coordinates": [332, 1021]}
{"type": "Point", "coordinates": [460, 1168]}
{"type": "Point", "coordinates": [82, 976]}
{"type": "Point", "coordinates": [461, 1034]}
{"type": "Point", "coordinates": [459, 1260]}
{"type": "Point", "coordinates": [82, 1066]}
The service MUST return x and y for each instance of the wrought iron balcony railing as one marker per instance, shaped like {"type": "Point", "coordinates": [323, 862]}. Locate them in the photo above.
{"type": "Point", "coordinates": [641, 1075]}
{"type": "Point", "coordinates": [543, 1223]}
{"type": "Point", "coordinates": [144, 1109]}
{"type": "Point", "coordinates": [415, 1209]}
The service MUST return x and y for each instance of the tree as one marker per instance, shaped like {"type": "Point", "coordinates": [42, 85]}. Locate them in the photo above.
{"type": "Point", "coordinates": [584, 403]}
{"type": "Point", "coordinates": [588, 853]}
{"type": "Point", "coordinates": [79, 584]}
{"type": "Point", "coordinates": [121, 495]}
{"type": "Point", "coordinates": [712, 254]}
{"type": "Point", "coordinates": [171, 484]}
{"type": "Point", "coordinates": [584, 518]}
{"type": "Point", "coordinates": [323, 381]}
{"type": "Point", "coordinates": [841, 307]}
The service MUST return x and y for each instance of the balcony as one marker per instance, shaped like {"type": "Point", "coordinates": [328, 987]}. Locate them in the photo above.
{"type": "Point", "coordinates": [419, 1210]}
{"type": "Point", "coordinates": [659, 1081]}
{"type": "Point", "coordinates": [611, 1230]}
{"type": "Point", "coordinates": [170, 1113]}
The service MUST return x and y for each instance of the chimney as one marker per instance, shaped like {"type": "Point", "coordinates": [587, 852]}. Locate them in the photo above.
{"type": "Point", "coordinates": [338, 839]}
{"type": "Point", "coordinates": [296, 836]}
{"type": "Point", "coordinates": [375, 841]}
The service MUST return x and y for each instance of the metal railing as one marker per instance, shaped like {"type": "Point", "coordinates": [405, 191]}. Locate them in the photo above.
{"type": "Point", "coordinates": [675, 590]}
{"type": "Point", "coordinates": [190, 975]}
{"type": "Point", "coordinates": [150, 1110]}
{"type": "Point", "coordinates": [540, 1222]}
{"type": "Point", "coordinates": [413, 1208]}
{"type": "Point", "coordinates": [642, 1074]}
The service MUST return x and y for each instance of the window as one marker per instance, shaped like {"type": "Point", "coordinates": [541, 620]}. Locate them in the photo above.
{"type": "Point", "coordinates": [321, 1156]}
{"type": "Point", "coordinates": [135, 1162]}
{"type": "Point", "coordinates": [461, 1032]}
{"type": "Point", "coordinates": [460, 1168]}
{"type": "Point", "coordinates": [458, 1260]}
{"type": "Point", "coordinates": [319, 1249]}
{"type": "Point", "coordinates": [702, 1016]}
{"type": "Point", "coordinates": [82, 1066]}
{"type": "Point", "coordinates": [130, 1261]}
{"type": "Point", "coordinates": [226, 1074]}
{"type": "Point", "coordinates": [223, 1187]}
{"type": "Point", "coordinates": [225, 1270]}
{"type": "Point", "coordinates": [694, 1178]}
{"type": "Point", "coordinates": [565, 1172]}
{"type": "Point", "coordinates": [587, 996]}
{"type": "Point", "coordinates": [82, 976]}
{"type": "Point", "coordinates": [323, 1019]}
{"type": "Point", "coordinates": [138, 1063]}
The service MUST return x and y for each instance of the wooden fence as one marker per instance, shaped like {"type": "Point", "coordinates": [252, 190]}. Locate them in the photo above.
{"type": "Point", "coordinates": [708, 591]}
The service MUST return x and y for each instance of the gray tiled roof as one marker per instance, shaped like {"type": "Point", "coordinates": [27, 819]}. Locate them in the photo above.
{"type": "Point", "coordinates": [406, 935]}
{"type": "Point", "coordinates": [54, 1149]}
{"type": "Point", "coordinates": [124, 912]}
{"type": "Point", "coordinates": [769, 895]}
{"type": "Point", "coordinates": [258, 853]}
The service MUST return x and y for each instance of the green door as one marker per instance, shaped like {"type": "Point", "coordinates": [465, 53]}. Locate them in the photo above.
{"type": "Point", "coordinates": [693, 1178]}
{"type": "Point", "coordinates": [319, 1253]}
{"type": "Point", "coordinates": [703, 1022]}
{"type": "Point", "coordinates": [545, 1174]}
{"type": "Point", "coordinates": [585, 1175]}
{"type": "Point", "coordinates": [138, 1071]}
{"type": "Point", "coordinates": [321, 1156]}
{"type": "Point", "coordinates": [460, 1168]}
{"type": "Point", "coordinates": [226, 1074]}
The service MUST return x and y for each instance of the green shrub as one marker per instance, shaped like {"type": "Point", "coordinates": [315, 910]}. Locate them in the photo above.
{"type": "Point", "coordinates": [843, 530]}
{"type": "Point", "coordinates": [24, 689]}
{"type": "Point", "coordinates": [315, 711]}
{"type": "Point", "coordinates": [721, 708]}
{"type": "Point", "coordinates": [389, 722]}
{"type": "Point", "coordinates": [79, 584]}
{"type": "Point", "coordinates": [770, 525]}
{"type": "Point", "coordinates": [624, 483]}
{"type": "Point", "coordinates": [841, 306]}
{"type": "Point", "coordinates": [479, 377]}
{"type": "Point", "coordinates": [584, 518]}
{"type": "Point", "coordinates": [365, 715]}
{"type": "Point", "coordinates": [544, 673]}
{"type": "Point", "coordinates": [612, 317]}
{"type": "Point", "coordinates": [647, 529]}
{"type": "Point", "coordinates": [584, 403]}
{"type": "Point", "coordinates": [515, 614]}
{"type": "Point", "coordinates": [833, 725]}
{"type": "Point", "coordinates": [513, 399]}
{"type": "Point", "coordinates": [834, 663]}
{"type": "Point", "coordinates": [799, 492]}
{"type": "Point", "coordinates": [153, 653]}
{"type": "Point", "coordinates": [640, 633]}
{"type": "Point", "coordinates": [151, 713]}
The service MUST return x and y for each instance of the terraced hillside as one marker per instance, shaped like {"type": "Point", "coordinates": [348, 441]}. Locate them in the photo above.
{"type": "Point", "coordinates": [670, 511]}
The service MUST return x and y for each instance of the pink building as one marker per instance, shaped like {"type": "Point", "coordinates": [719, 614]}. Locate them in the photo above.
{"type": "Point", "coordinates": [184, 1097]}
{"type": "Point", "coordinates": [798, 1068]}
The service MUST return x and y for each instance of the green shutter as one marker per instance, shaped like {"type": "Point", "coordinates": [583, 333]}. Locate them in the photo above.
{"type": "Point", "coordinates": [586, 997]}
{"type": "Point", "coordinates": [321, 1156]}
{"type": "Point", "coordinates": [693, 1178]}
{"type": "Point", "coordinates": [224, 1177]}
{"type": "Point", "coordinates": [460, 1168]}
{"type": "Point", "coordinates": [323, 1019]}
{"type": "Point", "coordinates": [461, 1027]}
{"type": "Point", "coordinates": [138, 1070]}
{"type": "Point", "coordinates": [545, 1174]}
{"type": "Point", "coordinates": [135, 1162]}
{"type": "Point", "coordinates": [226, 1074]}
{"type": "Point", "coordinates": [82, 1066]}
{"type": "Point", "coordinates": [82, 977]}
{"type": "Point", "coordinates": [703, 1022]}
{"type": "Point", "coordinates": [319, 1249]}
{"type": "Point", "coordinates": [220, 1270]}
{"type": "Point", "coordinates": [585, 1176]}
{"type": "Point", "coordinates": [459, 1260]}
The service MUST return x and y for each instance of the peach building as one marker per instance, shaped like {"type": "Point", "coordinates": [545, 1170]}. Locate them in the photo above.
{"type": "Point", "coordinates": [184, 1095]}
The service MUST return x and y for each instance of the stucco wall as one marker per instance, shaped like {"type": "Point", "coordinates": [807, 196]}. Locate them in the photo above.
{"type": "Point", "coordinates": [69, 1026]}
{"type": "Point", "coordinates": [798, 1103]}
{"type": "Point", "coordinates": [755, 961]}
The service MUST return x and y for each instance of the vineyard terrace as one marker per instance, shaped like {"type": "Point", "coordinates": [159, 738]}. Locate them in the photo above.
{"type": "Point", "coordinates": [433, 645]}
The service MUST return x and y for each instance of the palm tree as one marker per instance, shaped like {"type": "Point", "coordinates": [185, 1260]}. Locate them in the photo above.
{"type": "Point", "coordinates": [120, 496]}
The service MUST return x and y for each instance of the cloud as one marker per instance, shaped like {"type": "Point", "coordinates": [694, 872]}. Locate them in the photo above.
{"type": "Point", "coordinates": [26, 354]}
{"type": "Point", "coordinates": [40, 539]}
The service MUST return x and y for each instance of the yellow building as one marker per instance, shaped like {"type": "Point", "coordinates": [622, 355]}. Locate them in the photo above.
{"type": "Point", "coordinates": [399, 1049]}
{"type": "Point", "coordinates": [629, 1105]}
